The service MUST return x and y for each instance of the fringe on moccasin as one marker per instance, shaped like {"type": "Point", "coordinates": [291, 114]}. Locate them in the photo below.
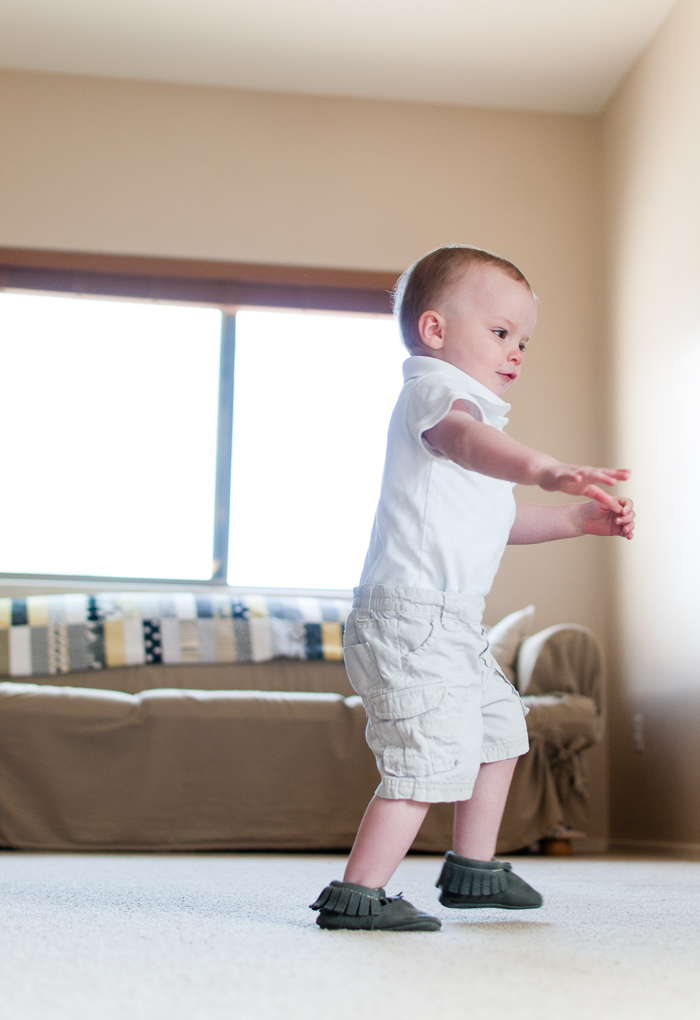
{"type": "Point", "coordinates": [464, 877]}
{"type": "Point", "coordinates": [466, 884]}
{"type": "Point", "coordinates": [349, 899]}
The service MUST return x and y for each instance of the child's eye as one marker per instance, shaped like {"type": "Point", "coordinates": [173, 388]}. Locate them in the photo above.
{"type": "Point", "coordinates": [501, 333]}
{"type": "Point", "coordinates": [523, 347]}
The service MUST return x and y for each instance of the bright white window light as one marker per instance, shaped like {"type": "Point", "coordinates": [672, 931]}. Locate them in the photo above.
{"type": "Point", "coordinates": [108, 417]}
{"type": "Point", "coordinates": [312, 401]}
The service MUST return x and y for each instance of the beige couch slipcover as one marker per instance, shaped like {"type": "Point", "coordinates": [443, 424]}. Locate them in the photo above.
{"type": "Point", "coordinates": [267, 755]}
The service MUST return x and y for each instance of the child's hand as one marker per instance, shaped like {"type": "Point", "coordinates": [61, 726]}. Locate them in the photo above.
{"type": "Point", "coordinates": [598, 519]}
{"type": "Point", "coordinates": [584, 481]}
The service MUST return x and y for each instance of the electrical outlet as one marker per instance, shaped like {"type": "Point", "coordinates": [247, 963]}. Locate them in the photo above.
{"type": "Point", "coordinates": [638, 732]}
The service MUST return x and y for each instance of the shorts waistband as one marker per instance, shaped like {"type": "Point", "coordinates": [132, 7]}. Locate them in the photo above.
{"type": "Point", "coordinates": [389, 597]}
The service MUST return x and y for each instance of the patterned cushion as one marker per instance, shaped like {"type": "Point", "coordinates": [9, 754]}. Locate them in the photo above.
{"type": "Point", "coordinates": [47, 634]}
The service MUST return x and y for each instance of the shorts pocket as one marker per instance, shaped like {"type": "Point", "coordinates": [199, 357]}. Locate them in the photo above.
{"type": "Point", "coordinates": [385, 652]}
{"type": "Point", "coordinates": [415, 636]}
{"type": "Point", "coordinates": [362, 669]}
{"type": "Point", "coordinates": [408, 703]}
{"type": "Point", "coordinates": [513, 691]}
{"type": "Point", "coordinates": [411, 731]}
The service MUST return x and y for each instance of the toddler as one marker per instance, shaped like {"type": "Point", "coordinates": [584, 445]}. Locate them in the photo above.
{"type": "Point", "coordinates": [443, 722]}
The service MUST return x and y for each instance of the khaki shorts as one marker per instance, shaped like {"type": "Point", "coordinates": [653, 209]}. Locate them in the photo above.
{"type": "Point", "coordinates": [437, 704]}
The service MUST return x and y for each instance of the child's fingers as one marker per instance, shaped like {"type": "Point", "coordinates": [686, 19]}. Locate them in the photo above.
{"type": "Point", "coordinates": [604, 476]}
{"type": "Point", "coordinates": [603, 498]}
{"type": "Point", "coordinates": [618, 474]}
{"type": "Point", "coordinates": [626, 522]}
{"type": "Point", "coordinates": [627, 513]}
{"type": "Point", "coordinates": [585, 481]}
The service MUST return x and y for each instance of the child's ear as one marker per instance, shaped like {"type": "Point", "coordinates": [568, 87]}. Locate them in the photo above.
{"type": "Point", "coordinates": [431, 329]}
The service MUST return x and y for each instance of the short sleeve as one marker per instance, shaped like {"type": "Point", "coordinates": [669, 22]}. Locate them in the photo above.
{"type": "Point", "coordinates": [428, 401]}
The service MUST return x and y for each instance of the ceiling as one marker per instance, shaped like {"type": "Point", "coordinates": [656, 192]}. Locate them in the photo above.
{"type": "Point", "coordinates": [550, 55]}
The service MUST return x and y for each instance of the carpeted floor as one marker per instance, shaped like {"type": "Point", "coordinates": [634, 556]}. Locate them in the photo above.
{"type": "Point", "coordinates": [209, 936]}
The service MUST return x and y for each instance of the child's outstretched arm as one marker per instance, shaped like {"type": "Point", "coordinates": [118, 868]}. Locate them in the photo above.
{"type": "Point", "coordinates": [537, 523]}
{"type": "Point", "coordinates": [479, 447]}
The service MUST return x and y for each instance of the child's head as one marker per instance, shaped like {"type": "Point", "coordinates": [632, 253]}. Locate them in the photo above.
{"type": "Point", "coordinates": [468, 307]}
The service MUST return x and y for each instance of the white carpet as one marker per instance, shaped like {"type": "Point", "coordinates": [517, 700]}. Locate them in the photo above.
{"type": "Point", "coordinates": [209, 936]}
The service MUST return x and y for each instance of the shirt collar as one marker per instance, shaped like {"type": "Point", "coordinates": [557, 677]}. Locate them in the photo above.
{"type": "Point", "coordinates": [495, 409]}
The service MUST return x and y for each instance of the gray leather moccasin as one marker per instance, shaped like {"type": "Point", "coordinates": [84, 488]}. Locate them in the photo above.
{"type": "Point", "coordinates": [344, 905]}
{"type": "Point", "coordinates": [469, 884]}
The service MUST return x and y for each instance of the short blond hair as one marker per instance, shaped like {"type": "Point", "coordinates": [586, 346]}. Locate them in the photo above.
{"type": "Point", "coordinates": [424, 283]}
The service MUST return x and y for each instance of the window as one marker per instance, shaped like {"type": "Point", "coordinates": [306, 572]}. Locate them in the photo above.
{"type": "Point", "coordinates": [312, 400]}
{"type": "Point", "coordinates": [122, 462]}
{"type": "Point", "coordinates": [109, 412]}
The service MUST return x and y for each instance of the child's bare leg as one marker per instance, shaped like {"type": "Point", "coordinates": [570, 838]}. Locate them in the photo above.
{"type": "Point", "coordinates": [383, 840]}
{"type": "Point", "coordinates": [478, 820]}
{"type": "Point", "coordinates": [470, 878]}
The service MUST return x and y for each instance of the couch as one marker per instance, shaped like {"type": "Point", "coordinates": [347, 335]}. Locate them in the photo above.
{"type": "Point", "coordinates": [181, 722]}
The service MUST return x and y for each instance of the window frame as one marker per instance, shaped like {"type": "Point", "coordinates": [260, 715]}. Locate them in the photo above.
{"type": "Point", "coordinates": [224, 285]}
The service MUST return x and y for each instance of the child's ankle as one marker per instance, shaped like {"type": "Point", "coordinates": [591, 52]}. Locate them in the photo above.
{"type": "Point", "coordinates": [474, 853]}
{"type": "Point", "coordinates": [366, 879]}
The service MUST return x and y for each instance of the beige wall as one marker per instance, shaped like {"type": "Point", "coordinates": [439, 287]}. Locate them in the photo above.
{"type": "Point", "coordinates": [652, 162]}
{"type": "Point", "coordinates": [136, 168]}
{"type": "Point", "coordinates": [143, 168]}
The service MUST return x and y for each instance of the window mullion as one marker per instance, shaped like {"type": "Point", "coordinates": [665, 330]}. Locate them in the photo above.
{"type": "Point", "coordinates": [224, 445]}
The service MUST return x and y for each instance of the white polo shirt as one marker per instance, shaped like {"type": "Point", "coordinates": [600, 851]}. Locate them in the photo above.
{"type": "Point", "coordinates": [438, 525]}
